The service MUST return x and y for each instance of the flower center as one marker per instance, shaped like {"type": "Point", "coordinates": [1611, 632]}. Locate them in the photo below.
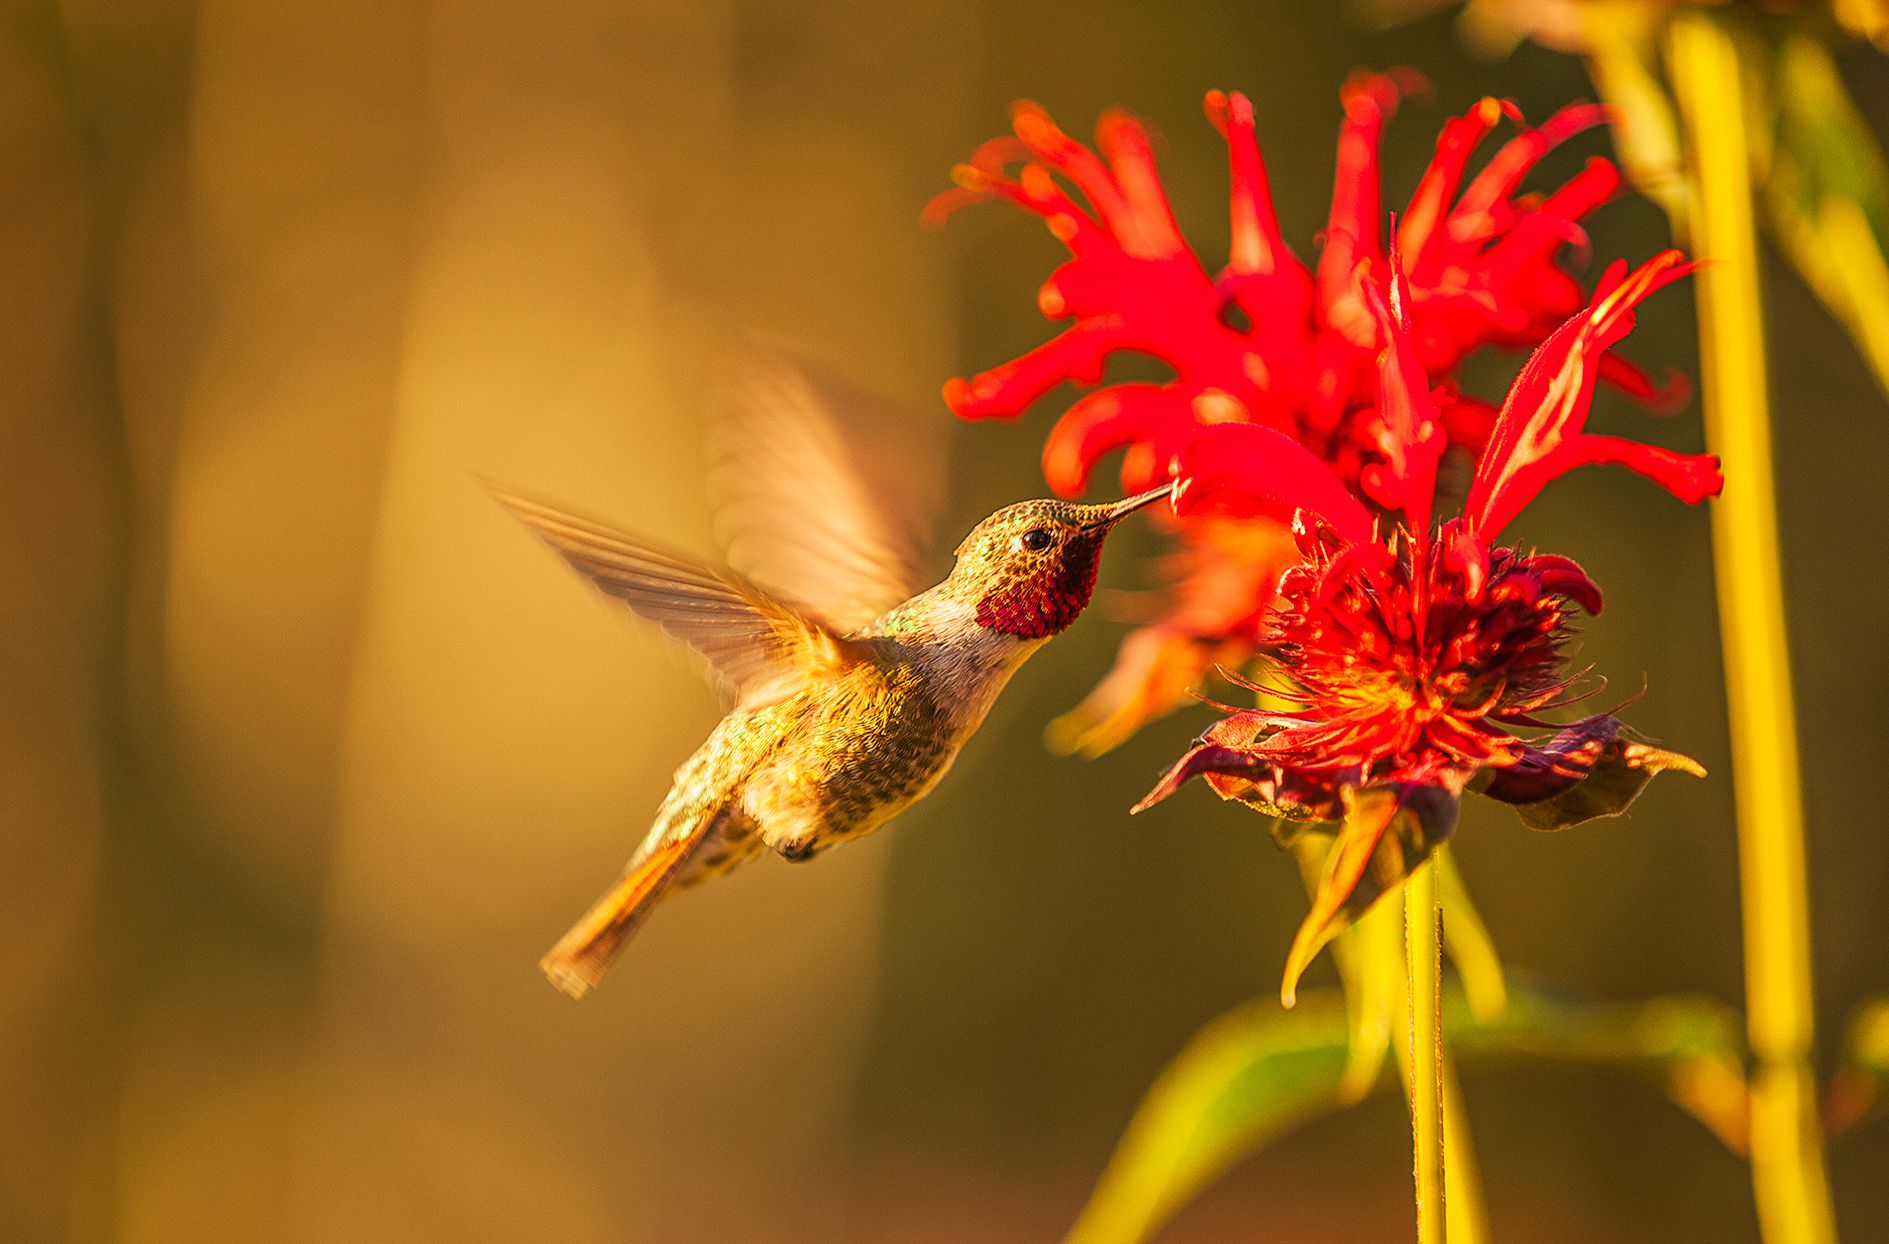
{"type": "Point", "coordinates": [1409, 665]}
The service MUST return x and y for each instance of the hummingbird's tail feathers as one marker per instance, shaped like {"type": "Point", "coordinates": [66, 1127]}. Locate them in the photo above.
{"type": "Point", "coordinates": [584, 954]}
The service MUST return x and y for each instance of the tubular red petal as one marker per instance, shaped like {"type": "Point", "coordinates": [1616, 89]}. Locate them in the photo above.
{"type": "Point", "coordinates": [1071, 226]}
{"type": "Point", "coordinates": [1047, 142]}
{"type": "Point", "coordinates": [1105, 420]}
{"type": "Point", "coordinates": [1498, 180]}
{"type": "Point", "coordinates": [1077, 353]}
{"type": "Point", "coordinates": [1257, 245]}
{"type": "Point", "coordinates": [1612, 315]}
{"type": "Point", "coordinates": [1412, 441]}
{"type": "Point", "coordinates": [1574, 119]}
{"type": "Point", "coordinates": [1470, 742]}
{"type": "Point", "coordinates": [1192, 413]}
{"type": "Point", "coordinates": [1550, 224]}
{"type": "Point", "coordinates": [1352, 228]}
{"type": "Point", "coordinates": [1690, 477]}
{"type": "Point", "coordinates": [1139, 471]}
{"type": "Point", "coordinates": [1250, 467]}
{"type": "Point", "coordinates": [998, 153]}
{"type": "Point", "coordinates": [977, 185]}
{"type": "Point", "coordinates": [1664, 396]}
{"type": "Point", "coordinates": [1504, 172]}
{"type": "Point", "coordinates": [1033, 190]}
{"type": "Point", "coordinates": [1540, 433]}
{"type": "Point", "coordinates": [1155, 234]}
{"type": "Point", "coordinates": [947, 203]}
{"type": "Point", "coordinates": [1564, 576]}
{"type": "Point", "coordinates": [1597, 182]}
{"type": "Point", "coordinates": [1454, 146]}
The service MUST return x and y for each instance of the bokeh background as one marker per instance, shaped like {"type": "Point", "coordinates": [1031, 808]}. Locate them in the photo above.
{"type": "Point", "coordinates": [306, 751]}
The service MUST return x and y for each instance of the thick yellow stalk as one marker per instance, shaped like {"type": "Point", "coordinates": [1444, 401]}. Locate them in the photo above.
{"type": "Point", "coordinates": [1423, 949]}
{"type": "Point", "coordinates": [1787, 1159]}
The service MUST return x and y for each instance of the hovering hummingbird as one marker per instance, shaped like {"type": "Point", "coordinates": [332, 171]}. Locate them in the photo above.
{"type": "Point", "coordinates": [851, 695]}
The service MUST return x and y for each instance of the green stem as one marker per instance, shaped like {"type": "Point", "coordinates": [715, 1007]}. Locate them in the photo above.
{"type": "Point", "coordinates": [1787, 1159]}
{"type": "Point", "coordinates": [1423, 949]}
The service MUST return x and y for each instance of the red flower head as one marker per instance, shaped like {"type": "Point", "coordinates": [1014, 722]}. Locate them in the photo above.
{"type": "Point", "coordinates": [1419, 662]}
{"type": "Point", "coordinates": [1266, 340]}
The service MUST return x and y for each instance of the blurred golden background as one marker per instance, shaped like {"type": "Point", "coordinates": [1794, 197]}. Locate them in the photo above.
{"type": "Point", "coordinates": [309, 751]}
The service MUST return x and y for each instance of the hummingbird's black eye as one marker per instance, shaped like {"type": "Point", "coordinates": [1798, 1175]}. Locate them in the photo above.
{"type": "Point", "coordinates": [1036, 539]}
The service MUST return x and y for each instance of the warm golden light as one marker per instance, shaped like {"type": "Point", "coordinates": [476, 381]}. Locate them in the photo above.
{"type": "Point", "coordinates": [308, 751]}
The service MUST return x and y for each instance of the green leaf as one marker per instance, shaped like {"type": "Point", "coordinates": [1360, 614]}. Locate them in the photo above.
{"type": "Point", "coordinates": [1826, 193]}
{"type": "Point", "coordinates": [1370, 959]}
{"type": "Point", "coordinates": [1258, 1071]}
{"type": "Point", "coordinates": [1247, 1077]}
{"type": "Point", "coordinates": [1691, 1048]}
{"type": "Point", "coordinates": [1466, 939]}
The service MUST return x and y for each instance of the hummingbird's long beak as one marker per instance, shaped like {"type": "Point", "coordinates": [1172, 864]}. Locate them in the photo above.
{"type": "Point", "coordinates": [1122, 509]}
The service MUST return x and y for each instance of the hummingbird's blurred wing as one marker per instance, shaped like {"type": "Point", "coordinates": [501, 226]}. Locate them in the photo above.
{"type": "Point", "coordinates": [752, 642]}
{"type": "Point", "coordinates": [821, 492]}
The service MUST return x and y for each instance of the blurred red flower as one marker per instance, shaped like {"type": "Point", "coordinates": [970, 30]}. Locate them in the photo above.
{"type": "Point", "coordinates": [1411, 656]}
{"type": "Point", "coordinates": [1267, 340]}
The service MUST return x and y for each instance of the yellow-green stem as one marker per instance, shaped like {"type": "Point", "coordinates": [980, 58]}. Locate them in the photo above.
{"type": "Point", "coordinates": [1423, 948]}
{"type": "Point", "coordinates": [1787, 1160]}
{"type": "Point", "coordinates": [1464, 1215]}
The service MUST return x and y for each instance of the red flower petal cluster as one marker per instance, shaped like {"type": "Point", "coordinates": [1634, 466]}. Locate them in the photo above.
{"type": "Point", "coordinates": [1267, 340]}
{"type": "Point", "coordinates": [1415, 659]}
{"type": "Point", "coordinates": [1382, 699]}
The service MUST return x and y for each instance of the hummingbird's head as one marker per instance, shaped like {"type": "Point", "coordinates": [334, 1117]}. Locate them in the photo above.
{"type": "Point", "coordinates": [1029, 568]}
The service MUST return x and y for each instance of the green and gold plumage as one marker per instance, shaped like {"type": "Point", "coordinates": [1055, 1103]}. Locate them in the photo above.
{"type": "Point", "coordinates": [851, 697]}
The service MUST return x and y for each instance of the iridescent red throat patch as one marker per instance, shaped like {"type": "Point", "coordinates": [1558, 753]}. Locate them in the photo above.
{"type": "Point", "coordinates": [1038, 604]}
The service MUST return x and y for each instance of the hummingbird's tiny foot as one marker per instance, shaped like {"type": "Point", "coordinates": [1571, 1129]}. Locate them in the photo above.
{"type": "Point", "coordinates": [796, 851]}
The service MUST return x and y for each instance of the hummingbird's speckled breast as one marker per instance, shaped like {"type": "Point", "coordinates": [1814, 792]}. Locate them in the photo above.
{"type": "Point", "coordinates": [864, 743]}
{"type": "Point", "coordinates": [856, 748]}
{"type": "Point", "coordinates": [850, 748]}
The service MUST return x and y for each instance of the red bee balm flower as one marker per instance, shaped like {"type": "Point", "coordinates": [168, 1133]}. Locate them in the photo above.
{"type": "Point", "coordinates": [1266, 340]}
{"type": "Point", "coordinates": [1413, 656]}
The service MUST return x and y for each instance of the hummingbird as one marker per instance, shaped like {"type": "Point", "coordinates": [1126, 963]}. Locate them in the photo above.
{"type": "Point", "coordinates": [851, 693]}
